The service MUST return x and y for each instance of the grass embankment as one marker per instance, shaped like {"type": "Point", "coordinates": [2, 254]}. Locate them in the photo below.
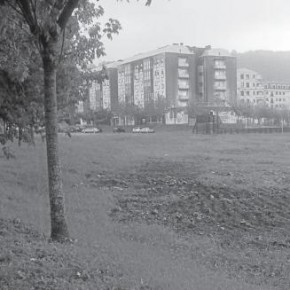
{"type": "Point", "coordinates": [159, 211]}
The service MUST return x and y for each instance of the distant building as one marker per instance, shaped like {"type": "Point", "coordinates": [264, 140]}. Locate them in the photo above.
{"type": "Point", "coordinates": [216, 76]}
{"type": "Point", "coordinates": [104, 95]}
{"type": "Point", "coordinates": [166, 74]}
{"type": "Point", "coordinates": [168, 79]}
{"type": "Point", "coordinates": [277, 95]}
{"type": "Point", "coordinates": [250, 88]}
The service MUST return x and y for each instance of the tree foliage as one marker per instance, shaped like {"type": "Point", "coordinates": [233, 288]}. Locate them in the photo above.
{"type": "Point", "coordinates": [53, 34]}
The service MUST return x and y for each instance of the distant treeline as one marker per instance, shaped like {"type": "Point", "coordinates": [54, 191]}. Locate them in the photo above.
{"type": "Point", "coordinates": [272, 65]}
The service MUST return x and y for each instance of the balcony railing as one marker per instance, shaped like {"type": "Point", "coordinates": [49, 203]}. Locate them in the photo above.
{"type": "Point", "coordinates": [183, 98]}
{"type": "Point", "coordinates": [219, 66]}
{"type": "Point", "coordinates": [220, 77]}
{"type": "Point", "coordinates": [183, 75]}
{"type": "Point", "coordinates": [183, 86]}
{"type": "Point", "coordinates": [183, 64]}
{"type": "Point", "coordinates": [220, 88]}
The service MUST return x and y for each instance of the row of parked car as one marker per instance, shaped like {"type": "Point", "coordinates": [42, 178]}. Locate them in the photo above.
{"type": "Point", "coordinates": [94, 130]}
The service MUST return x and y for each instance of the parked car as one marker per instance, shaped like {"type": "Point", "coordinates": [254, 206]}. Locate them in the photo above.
{"type": "Point", "coordinates": [119, 130]}
{"type": "Point", "coordinates": [146, 130]}
{"type": "Point", "coordinates": [136, 130]}
{"type": "Point", "coordinates": [76, 129]}
{"type": "Point", "coordinates": [92, 130]}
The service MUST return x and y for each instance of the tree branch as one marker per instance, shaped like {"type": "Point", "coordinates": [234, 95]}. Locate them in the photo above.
{"type": "Point", "coordinates": [20, 26]}
{"type": "Point", "coordinates": [66, 13]}
{"type": "Point", "coordinates": [15, 9]}
{"type": "Point", "coordinates": [26, 9]}
{"type": "Point", "coordinates": [33, 8]}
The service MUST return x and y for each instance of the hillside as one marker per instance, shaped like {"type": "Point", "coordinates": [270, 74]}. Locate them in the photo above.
{"type": "Point", "coordinates": [272, 65]}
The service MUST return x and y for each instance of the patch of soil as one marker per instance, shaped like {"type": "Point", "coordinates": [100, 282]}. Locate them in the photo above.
{"type": "Point", "coordinates": [249, 228]}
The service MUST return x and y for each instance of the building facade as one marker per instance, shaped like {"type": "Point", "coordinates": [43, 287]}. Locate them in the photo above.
{"type": "Point", "coordinates": [165, 75]}
{"type": "Point", "coordinates": [250, 88]}
{"type": "Point", "coordinates": [277, 95]}
{"type": "Point", "coordinates": [216, 76]}
{"type": "Point", "coordinates": [169, 79]}
{"type": "Point", "coordinates": [103, 95]}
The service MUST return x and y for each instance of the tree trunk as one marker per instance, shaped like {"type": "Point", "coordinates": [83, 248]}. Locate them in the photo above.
{"type": "Point", "coordinates": [59, 229]}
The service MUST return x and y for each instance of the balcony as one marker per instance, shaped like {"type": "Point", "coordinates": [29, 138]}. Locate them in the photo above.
{"type": "Point", "coordinates": [183, 62]}
{"type": "Point", "coordinates": [219, 65]}
{"type": "Point", "coordinates": [220, 88]}
{"type": "Point", "coordinates": [183, 98]}
{"type": "Point", "coordinates": [220, 77]}
{"type": "Point", "coordinates": [183, 76]}
{"type": "Point", "coordinates": [183, 73]}
{"type": "Point", "coordinates": [183, 86]}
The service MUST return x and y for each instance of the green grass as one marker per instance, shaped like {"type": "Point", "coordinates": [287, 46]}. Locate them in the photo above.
{"type": "Point", "coordinates": [147, 211]}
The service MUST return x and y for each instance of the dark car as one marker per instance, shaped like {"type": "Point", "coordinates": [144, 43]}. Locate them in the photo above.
{"type": "Point", "coordinates": [119, 130]}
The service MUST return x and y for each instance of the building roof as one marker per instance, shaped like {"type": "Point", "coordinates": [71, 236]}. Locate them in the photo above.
{"type": "Point", "coordinates": [175, 48]}
{"type": "Point", "coordinates": [244, 69]}
{"type": "Point", "coordinates": [249, 71]}
{"type": "Point", "coordinates": [216, 52]}
{"type": "Point", "coordinates": [99, 67]}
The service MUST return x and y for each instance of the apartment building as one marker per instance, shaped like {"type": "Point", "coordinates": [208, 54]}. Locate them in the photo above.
{"type": "Point", "coordinates": [277, 95]}
{"type": "Point", "coordinates": [103, 95]}
{"type": "Point", "coordinates": [175, 76]}
{"type": "Point", "coordinates": [250, 88]}
{"type": "Point", "coordinates": [216, 76]}
{"type": "Point", "coordinates": [166, 74]}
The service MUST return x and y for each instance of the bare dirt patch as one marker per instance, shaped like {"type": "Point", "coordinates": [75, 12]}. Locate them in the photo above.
{"type": "Point", "coordinates": [249, 228]}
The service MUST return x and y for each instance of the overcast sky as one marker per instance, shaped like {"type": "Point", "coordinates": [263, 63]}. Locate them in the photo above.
{"type": "Point", "coordinates": [241, 25]}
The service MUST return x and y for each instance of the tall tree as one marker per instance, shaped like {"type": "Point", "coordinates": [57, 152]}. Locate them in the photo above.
{"type": "Point", "coordinates": [45, 23]}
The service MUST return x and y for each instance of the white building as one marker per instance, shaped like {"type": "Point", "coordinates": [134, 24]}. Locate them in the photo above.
{"type": "Point", "coordinates": [249, 86]}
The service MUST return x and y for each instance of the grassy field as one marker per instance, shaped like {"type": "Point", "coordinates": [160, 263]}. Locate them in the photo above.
{"type": "Point", "coordinates": [169, 210]}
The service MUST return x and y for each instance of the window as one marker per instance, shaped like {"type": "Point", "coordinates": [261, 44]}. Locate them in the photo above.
{"type": "Point", "coordinates": [219, 85]}
{"type": "Point", "coordinates": [247, 77]}
{"type": "Point", "coordinates": [242, 93]}
{"type": "Point", "coordinates": [220, 74]}
{"type": "Point", "coordinates": [146, 64]}
{"type": "Point", "coordinates": [218, 63]}
{"type": "Point", "coordinates": [248, 93]}
{"type": "Point", "coordinates": [183, 84]}
{"type": "Point", "coordinates": [182, 61]}
{"type": "Point", "coordinates": [242, 76]}
{"type": "Point", "coordinates": [183, 73]}
{"type": "Point", "coordinates": [183, 93]}
{"type": "Point", "coordinates": [247, 85]}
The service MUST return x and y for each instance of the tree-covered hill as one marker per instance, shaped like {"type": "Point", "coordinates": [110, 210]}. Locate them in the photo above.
{"type": "Point", "coordinates": [272, 65]}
